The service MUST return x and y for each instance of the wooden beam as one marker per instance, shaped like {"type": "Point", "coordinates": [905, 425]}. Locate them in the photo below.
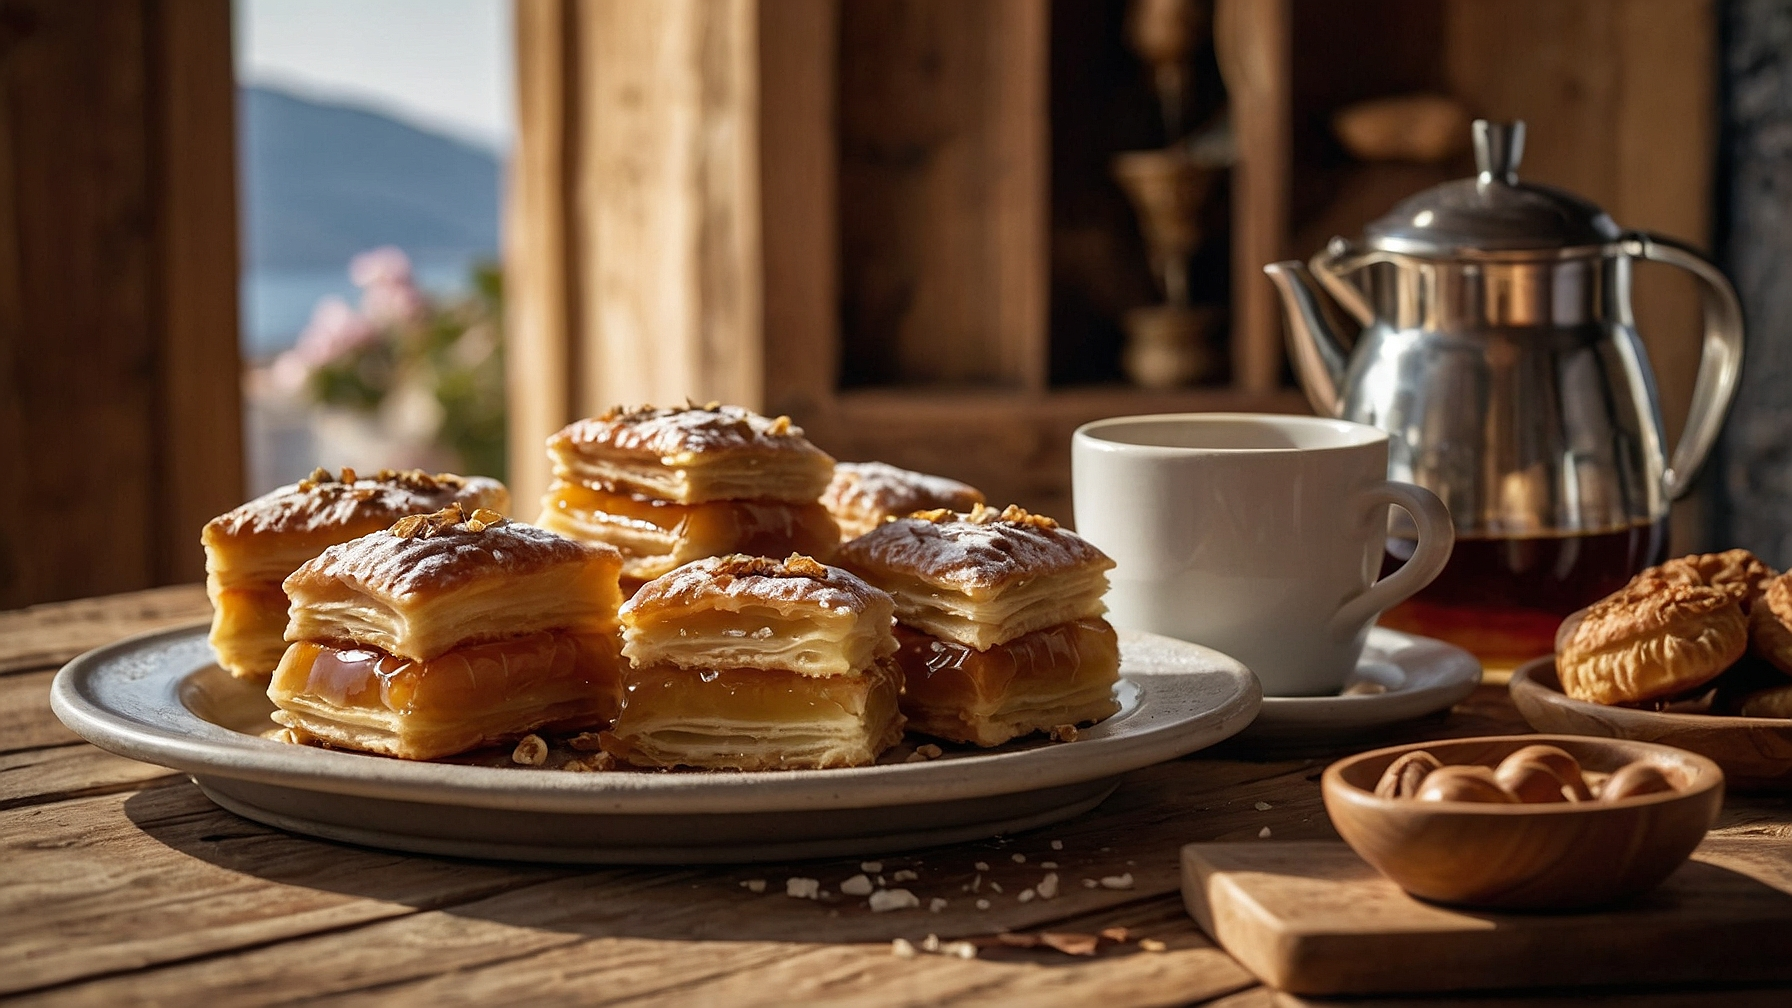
{"type": "Point", "coordinates": [200, 369]}
{"type": "Point", "coordinates": [1252, 41]}
{"type": "Point", "coordinates": [540, 259]}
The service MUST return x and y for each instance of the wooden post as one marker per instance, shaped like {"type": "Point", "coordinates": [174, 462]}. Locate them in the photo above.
{"type": "Point", "coordinates": [119, 370]}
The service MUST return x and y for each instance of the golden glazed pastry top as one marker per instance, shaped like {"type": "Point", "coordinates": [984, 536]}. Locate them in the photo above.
{"type": "Point", "coordinates": [1643, 607]}
{"type": "Point", "coordinates": [324, 501]}
{"type": "Point", "coordinates": [978, 554]}
{"type": "Point", "coordinates": [444, 551]}
{"type": "Point", "coordinates": [676, 434]}
{"type": "Point", "coordinates": [733, 582]}
{"type": "Point", "coordinates": [1737, 568]}
{"type": "Point", "coordinates": [864, 492]}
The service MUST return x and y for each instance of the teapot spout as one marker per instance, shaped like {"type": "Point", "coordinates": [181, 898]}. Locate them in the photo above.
{"type": "Point", "coordinates": [1319, 356]}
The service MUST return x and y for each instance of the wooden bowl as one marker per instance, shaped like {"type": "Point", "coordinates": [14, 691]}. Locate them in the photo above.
{"type": "Point", "coordinates": [1754, 752]}
{"type": "Point", "coordinates": [1526, 857]}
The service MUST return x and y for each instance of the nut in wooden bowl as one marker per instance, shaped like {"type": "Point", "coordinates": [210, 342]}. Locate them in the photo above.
{"type": "Point", "coordinates": [1514, 855]}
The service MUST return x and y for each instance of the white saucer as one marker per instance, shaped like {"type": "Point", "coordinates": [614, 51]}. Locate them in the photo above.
{"type": "Point", "coordinates": [1418, 676]}
{"type": "Point", "coordinates": [161, 699]}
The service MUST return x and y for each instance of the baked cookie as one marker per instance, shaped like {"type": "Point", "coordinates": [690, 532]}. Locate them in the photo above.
{"type": "Point", "coordinates": [1771, 703]}
{"type": "Point", "coordinates": [1737, 568]}
{"type": "Point", "coordinates": [1652, 638]}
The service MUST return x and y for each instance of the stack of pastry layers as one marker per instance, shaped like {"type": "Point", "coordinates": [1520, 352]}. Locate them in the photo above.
{"type": "Point", "coordinates": [1000, 621]}
{"type": "Point", "coordinates": [670, 485]}
{"type": "Point", "coordinates": [747, 663]}
{"type": "Point", "coordinates": [863, 495]}
{"type": "Point", "coordinates": [250, 550]}
{"type": "Point", "coordinates": [449, 632]}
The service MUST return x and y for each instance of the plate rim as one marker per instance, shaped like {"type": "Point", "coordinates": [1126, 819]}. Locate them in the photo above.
{"type": "Point", "coordinates": [1523, 679]}
{"type": "Point", "coordinates": [212, 750]}
{"type": "Point", "coordinates": [1301, 710]}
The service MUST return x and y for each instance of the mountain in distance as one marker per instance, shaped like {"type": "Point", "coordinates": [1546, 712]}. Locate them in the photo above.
{"type": "Point", "coordinates": [321, 182]}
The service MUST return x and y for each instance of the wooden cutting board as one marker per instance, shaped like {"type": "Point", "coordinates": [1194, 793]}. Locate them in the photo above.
{"type": "Point", "coordinates": [1313, 918]}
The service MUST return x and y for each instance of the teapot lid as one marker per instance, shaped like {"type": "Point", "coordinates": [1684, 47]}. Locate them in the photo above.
{"type": "Point", "coordinates": [1492, 212]}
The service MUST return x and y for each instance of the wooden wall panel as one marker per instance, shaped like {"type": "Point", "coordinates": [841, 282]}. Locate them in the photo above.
{"type": "Point", "coordinates": [942, 192]}
{"type": "Point", "coordinates": [118, 334]}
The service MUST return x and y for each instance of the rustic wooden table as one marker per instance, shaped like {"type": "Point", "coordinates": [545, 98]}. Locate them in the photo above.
{"type": "Point", "coordinates": [119, 882]}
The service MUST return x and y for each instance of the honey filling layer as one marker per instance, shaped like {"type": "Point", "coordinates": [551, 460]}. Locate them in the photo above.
{"type": "Point", "coordinates": [1058, 661]}
{"type": "Point", "coordinates": [476, 677]}
{"type": "Point", "coordinates": [762, 528]}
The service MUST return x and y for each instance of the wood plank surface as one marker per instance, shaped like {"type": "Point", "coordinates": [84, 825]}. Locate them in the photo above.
{"type": "Point", "coordinates": [1316, 919]}
{"type": "Point", "coordinates": [49, 635]}
{"type": "Point", "coordinates": [122, 883]}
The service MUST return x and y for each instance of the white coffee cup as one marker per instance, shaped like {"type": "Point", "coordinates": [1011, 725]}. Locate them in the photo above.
{"type": "Point", "coordinates": [1259, 536]}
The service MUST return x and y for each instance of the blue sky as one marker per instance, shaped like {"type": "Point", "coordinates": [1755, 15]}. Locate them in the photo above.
{"type": "Point", "coordinates": [443, 65]}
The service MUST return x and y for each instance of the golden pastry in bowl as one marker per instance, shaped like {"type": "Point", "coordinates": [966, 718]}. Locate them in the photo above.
{"type": "Point", "coordinates": [1737, 568]}
{"type": "Point", "coordinates": [1770, 624]}
{"type": "Point", "coordinates": [1651, 639]}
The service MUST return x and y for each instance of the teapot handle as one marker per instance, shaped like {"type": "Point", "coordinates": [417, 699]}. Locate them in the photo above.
{"type": "Point", "coordinates": [1720, 363]}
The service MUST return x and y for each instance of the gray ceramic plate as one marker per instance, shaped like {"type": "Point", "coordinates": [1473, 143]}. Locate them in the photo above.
{"type": "Point", "coordinates": [1416, 676]}
{"type": "Point", "coordinates": [161, 699]}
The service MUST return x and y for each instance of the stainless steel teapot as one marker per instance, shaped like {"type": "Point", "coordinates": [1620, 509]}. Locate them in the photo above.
{"type": "Point", "coordinates": [1499, 352]}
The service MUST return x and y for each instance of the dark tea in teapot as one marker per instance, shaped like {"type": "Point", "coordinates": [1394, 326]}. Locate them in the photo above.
{"type": "Point", "coordinates": [1502, 598]}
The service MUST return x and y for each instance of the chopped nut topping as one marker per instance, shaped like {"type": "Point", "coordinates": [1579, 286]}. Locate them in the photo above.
{"type": "Point", "coordinates": [1048, 886]}
{"type": "Point", "coordinates": [1123, 881]}
{"type": "Point", "coordinates": [931, 943]}
{"type": "Point", "coordinates": [1064, 733]}
{"type": "Point", "coordinates": [1263, 834]}
{"type": "Point", "coordinates": [794, 565]}
{"type": "Point", "coordinates": [585, 741]}
{"type": "Point", "coordinates": [321, 475]}
{"type": "Point", "coordinates": [531, 751]}
{"type": "Point", "coordinates": [780, 426]}
{"type": "Point", "coordinates": [1152, 945]}
{"type": "Point", "coordinates": [961, 949]}
{"type": "Point", "coordinates": [885, 900]}
{"type": "Point", "coordinates": [902, 949]}
{"type": "Point", "coordinates": [1115, 934]}
{"type": "Point", "coordinates": [931, 751]}
{"type": "Point", "coordinates": [1071, 943]}
{"type": "Point", "coordinates": [858, 885]}
{"type": "Point", "coordinates": [348, 475]}
{"type": "Point", "coordinates": [802, 888]}
{"type": "Point", "coordinates": [409, 526]}
{"type": "Point", "coordinates": [915, 757]}
{"type": "Point", "coordinates": [486, 515]}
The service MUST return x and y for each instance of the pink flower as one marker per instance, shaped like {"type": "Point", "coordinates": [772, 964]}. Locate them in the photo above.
{"type": "Point", "coordinates": [334, 330]}
{"type": "Point", "coordinates": [388, 294]}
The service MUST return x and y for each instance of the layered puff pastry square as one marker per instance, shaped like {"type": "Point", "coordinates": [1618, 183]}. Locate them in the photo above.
{"type": "Point", "coordinates": [692, 454]}
{"type": "Point", "coordinates": [250, 550]}
{"type": "Point", "coordinates": [446, 633]}
{"type": "Point", "coordinates": [863, 495]}
{"type": "Point", "coordinates": [668, 486]}
{"type": "Point", "coordinates": [656, 536]}
{"type": "Point", "coordinates": [1001, 631]}
{"type": "Point", "coordinates": [747, 663]}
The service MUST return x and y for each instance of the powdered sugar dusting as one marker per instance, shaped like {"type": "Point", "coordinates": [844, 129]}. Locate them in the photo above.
{"type": "Point", "coordinates": [962, 555]}
{"type": "Point", "coordinates": [298, 508]}
{"type": "Point", "coordinates": [873, 489]}
{"type": "Point", "coordinates": [670, 432]}
{"type": "Point", "coordinates": [385, 565]}
{"type": "Point", "coordinates": [711, 581]}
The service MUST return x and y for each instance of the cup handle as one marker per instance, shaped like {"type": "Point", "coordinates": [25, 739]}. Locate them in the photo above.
{"type": "Point", "coordinates": [1437, 536]}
